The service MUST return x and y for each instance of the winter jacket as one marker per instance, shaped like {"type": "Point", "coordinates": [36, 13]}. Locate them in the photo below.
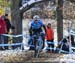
{"type": "Point", "coordinates": [49, 34]}
{"type": "Point", "coordinates": [8, 24]}
{"type": "Point", "coordinates": [3, 28]}
{"type": "Point", "coordinates": [36, 28]}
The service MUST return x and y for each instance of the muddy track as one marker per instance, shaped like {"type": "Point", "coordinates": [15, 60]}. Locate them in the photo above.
{"type": "Point", "coordinates": [21, 56]}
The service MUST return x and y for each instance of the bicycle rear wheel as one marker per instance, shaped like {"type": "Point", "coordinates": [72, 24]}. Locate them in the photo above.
{"type": "Point", "coordinates": [38, 48]}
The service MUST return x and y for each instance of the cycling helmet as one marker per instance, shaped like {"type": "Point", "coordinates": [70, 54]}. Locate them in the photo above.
{"type": "Point", "coordinates": [36, 16]}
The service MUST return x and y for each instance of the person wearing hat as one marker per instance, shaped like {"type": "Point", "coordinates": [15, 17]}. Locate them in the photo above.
{"type": "Point", "coordinates": [9, 26]}
{"type": "Point", "coordinates": [49, 37]}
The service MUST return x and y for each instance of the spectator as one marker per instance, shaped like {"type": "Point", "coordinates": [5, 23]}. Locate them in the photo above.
{"type": "Point", "coordinates": [49, 37]}
{"type": "Point", "coordinates": [9, 26]}
{"type": "Point", "coordinates": [66, 42]}
{"type": "Point", "coordinates": [3, 30]}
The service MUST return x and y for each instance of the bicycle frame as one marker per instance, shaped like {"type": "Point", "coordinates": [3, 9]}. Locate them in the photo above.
{"type": "Point", "coordinates": [38, 45]}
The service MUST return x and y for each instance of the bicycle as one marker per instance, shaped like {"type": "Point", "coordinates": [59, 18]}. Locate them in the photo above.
{"type": "Point", "coordinates": [38, 44]}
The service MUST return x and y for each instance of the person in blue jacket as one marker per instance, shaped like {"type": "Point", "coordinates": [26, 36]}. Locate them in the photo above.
{"type": "Point", "coordinates": [36, 27]}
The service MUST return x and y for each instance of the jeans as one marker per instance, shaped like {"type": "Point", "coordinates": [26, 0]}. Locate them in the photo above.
{"type": "Point", "coordinates": [1, 41]}
{"type": "Point", "coordinates": [6, 41]}
{"type": "Point", "coordinates": [50, 45]}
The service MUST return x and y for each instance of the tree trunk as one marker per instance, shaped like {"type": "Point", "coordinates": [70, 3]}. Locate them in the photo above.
{"type": "Point", "coordinates": [60, 19]}
{"type": "Point", "coordinates": [16, 16]}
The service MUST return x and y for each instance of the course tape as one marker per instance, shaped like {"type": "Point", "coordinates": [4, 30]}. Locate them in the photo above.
{"type": "Point", "coordinates": [21, 35]}
{"type": "Point", "coordinates": [15, 44]}
{"type": "Point", "coordinates": [9, 35]}
{"type": "Point", "coordinates": [26, 35]}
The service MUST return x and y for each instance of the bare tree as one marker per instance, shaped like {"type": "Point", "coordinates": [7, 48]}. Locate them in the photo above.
{"type": "Point", "coordinates": [16, 16]}
{"type": "Point", "coordinates": [60, 19]}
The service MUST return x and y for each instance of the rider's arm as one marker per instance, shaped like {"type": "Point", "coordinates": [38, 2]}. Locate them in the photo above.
{"type": "Point", "coordinates": [44, 28]}
{"type": "Point", "coordinates": [30, 31]}
{"type": "Point", "coordinates": [43, 25]}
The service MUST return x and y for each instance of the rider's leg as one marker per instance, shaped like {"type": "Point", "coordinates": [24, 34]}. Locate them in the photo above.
{"type": "Point", "coordinates": [34, 43]}
{"type": "Point", "coordinates": [43, 38]}
{"type": "Point", "coordinates": [35, 47]}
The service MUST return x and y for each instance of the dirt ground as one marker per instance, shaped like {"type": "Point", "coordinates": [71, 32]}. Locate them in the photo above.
{"type": "Point", "coordinates": [22, 56]}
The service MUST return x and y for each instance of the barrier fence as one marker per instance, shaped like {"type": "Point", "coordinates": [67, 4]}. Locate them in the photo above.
{"type": "Point", "coordinates": [27, 36]}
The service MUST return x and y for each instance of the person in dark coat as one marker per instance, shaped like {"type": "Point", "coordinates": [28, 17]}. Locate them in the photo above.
{"type": "Point", "coordinates": [66, 44]}
{"type": "Point", "coordinates": [9, 26]}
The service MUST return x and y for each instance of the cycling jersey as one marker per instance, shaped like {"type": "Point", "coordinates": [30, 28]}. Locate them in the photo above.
{"type": "Point", "coordinates": [36, 25]}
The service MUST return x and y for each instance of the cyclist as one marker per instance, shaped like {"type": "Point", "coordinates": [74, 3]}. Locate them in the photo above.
{"type": "Point", "coordinates": [36, 27]}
